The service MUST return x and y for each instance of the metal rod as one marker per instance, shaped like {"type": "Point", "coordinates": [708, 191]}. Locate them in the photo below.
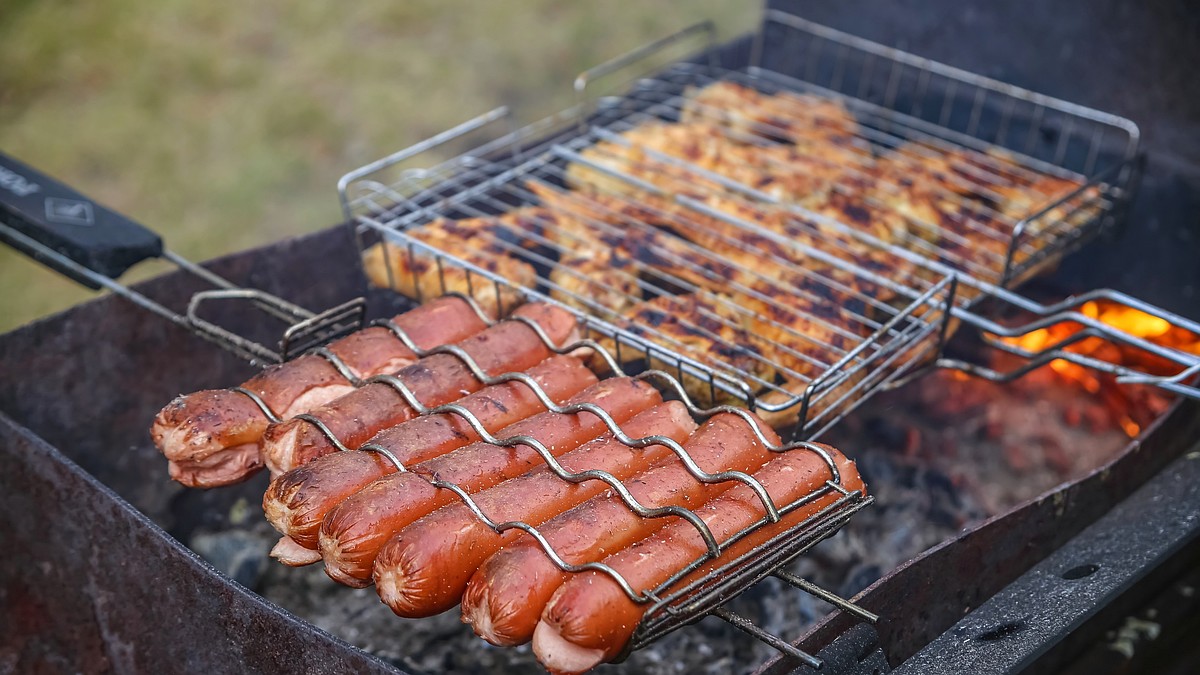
{"type": "Point", "coordinates": [750, 628]}
{"type": "Point", "coordinates": [833, 599]}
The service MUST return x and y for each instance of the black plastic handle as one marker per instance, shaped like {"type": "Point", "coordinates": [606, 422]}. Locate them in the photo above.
{"type": "Point", "coordinates": [69, 223]}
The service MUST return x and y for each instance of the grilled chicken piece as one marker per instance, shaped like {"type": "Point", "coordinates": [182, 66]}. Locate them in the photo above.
{"type": "Point", "coordinates": [652, 154]}
{"type": "Point", "coordinates": [965, 203]}
{"type": "Point", "coordinates": [798, 312]}
{"type": "Point", "coordinates": [597, 280]}
{"type": "Point", "coordinates": [782, 173]}
{"type": "Point", "coordinates": [762, 244]}
{"type": "Point", "coordinates": [709, 329]}
{"type": "Point", "coordinates": [478, 241]}
{"type": "Point", "coordinates": [801, 119]}
{"type": "Point", "coordinates": [699, 145]}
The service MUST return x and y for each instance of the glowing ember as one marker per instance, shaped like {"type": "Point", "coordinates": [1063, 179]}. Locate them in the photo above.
{"type": "Point", "coordinates": [1132, 428]}
{"type": "Point", "coordinates": [1132, 321]}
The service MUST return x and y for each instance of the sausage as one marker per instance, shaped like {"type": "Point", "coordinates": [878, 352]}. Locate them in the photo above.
{"type": "Point", "coordinates": [437, 379]}
{"type": "Point", "coordinates": [354, 531]}
{"type": "Point", "coordinates": [506, 595]}
{"type": "Point", "coordinates": [230, 465]}
{"type": "Point", "coordinates": [296, 501]}
{"type": "Point", "coordinates": [589, 620]}
{"type": "Point", "coordinates": [193, 429]}
{"type": "Point", "coordinates": [440, 378]}
{"type": "Point", "coordinates": [423, 570]}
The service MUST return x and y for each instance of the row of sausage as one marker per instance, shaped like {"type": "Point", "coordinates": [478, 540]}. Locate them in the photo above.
{"type": "Point", "coordinates": [436, 508]}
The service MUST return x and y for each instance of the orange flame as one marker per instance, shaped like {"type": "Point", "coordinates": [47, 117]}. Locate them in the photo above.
{"type": "Point", "coordinates": [1132, 321]}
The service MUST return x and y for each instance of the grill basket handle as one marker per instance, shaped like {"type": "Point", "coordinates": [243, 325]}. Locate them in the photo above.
{"type": "Point", "coordinates": [70, 225]}
{"type": "Point", "coordinates": [94, 245]}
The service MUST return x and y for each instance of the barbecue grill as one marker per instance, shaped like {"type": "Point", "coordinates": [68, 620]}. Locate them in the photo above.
{"type": "Point", "coordinates": [900, 336]}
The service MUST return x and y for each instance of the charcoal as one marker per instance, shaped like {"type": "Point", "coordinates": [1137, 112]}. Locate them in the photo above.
{"type": "Point", "coordinates": [240, 554]}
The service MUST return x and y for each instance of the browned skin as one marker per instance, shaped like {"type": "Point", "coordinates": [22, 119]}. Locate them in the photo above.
{"type": "Point", "coordinates": [593, 614]}
{"type": "Point", "coordinates": [507, 594]}
{"type": "Point", "coordinates": [475, 240]}
{"type": "Point", "coordinates": [973, 199]}
{"type": "Point", "coordinates": [807, 151]}
{"type": "Point", "coordinates": [509, 346]}
{"type": "Point", "coordinates": [297, 501]}
{"type": "Point", "coordinates": [193, 430]}
{"type": "Point", "coordinates": [354, 531]}
{"type": "Point", "coordinates": [424, 569]}
{"type": "Point", "coordinates": [761, 303]}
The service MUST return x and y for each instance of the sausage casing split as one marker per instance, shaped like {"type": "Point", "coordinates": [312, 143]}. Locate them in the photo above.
{"type": "Point", "coordinates": [354, 531]}
{"type": "Point", "coordinates": [297, 501]}
{"type": "Point", "coordinates": [424, 569]}
{"type": "Point", "coordinates": [213, 437]}
{"type": "Point", "coordinates": [590, 619]}
{"type": "Point", "coordinates": [506, 595]}
{"type": "Point", "coordinates": [353, 419]}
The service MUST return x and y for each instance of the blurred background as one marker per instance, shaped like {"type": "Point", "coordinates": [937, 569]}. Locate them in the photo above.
{"type": "Point", "coordinates": [225, 125]}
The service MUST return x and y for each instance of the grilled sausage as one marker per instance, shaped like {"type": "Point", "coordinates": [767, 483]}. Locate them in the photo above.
{"type": "Point", "coordinates": [213, 437]}
{"type": "Point", "coordinates": [506, 595]}
{"type": "Point", "coordinates": [296, 501]}
{"type": "Point", "coordinates": [589, 620]}
{"type": "Point", "coordinates": [424, 569]}
{"type": "Point", "coordinates": [354, 531]}
{"type": "Point", "coordinates": [441, 378]}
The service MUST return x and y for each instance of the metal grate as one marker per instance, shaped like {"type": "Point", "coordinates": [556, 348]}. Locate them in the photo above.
{"type": "Point", "coordinates": [809, 334]}
{"type": "Point", "coordinates": [987, 250]}
{"type": "Point", "coordinates": [924, 103]}
{"type": "Point", "coordinates": [954, 203]}
{"type": "Point", "coordinates": [991, 140]}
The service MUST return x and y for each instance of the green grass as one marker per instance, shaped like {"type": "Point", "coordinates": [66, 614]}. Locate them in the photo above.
{"type": "Point", "coordinates": [224, 125]}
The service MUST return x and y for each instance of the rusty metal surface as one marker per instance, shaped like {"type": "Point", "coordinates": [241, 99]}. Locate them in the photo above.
{"type": "Point", "coordinates": [928, 595]}
{"type": "Point", "coordinates": [855, 652]}
{"type": "Point", "coordinates": [90, 585]}
{"type": "Point", "coordinates": [1013, 629]}
{"type": "Point", "coordinates": [91, 582]}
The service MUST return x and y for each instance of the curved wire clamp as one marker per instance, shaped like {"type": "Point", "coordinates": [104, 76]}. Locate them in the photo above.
{"type": "Point", "coordinates": [663, 379]}
{"type": "Point", "coordinates": [713, 548]}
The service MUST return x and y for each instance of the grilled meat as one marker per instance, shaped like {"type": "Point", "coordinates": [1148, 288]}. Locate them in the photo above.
{"type": "Point", "coordinates": [486, 243]}
{"type": "Point", "coordinates": [753, 234]}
